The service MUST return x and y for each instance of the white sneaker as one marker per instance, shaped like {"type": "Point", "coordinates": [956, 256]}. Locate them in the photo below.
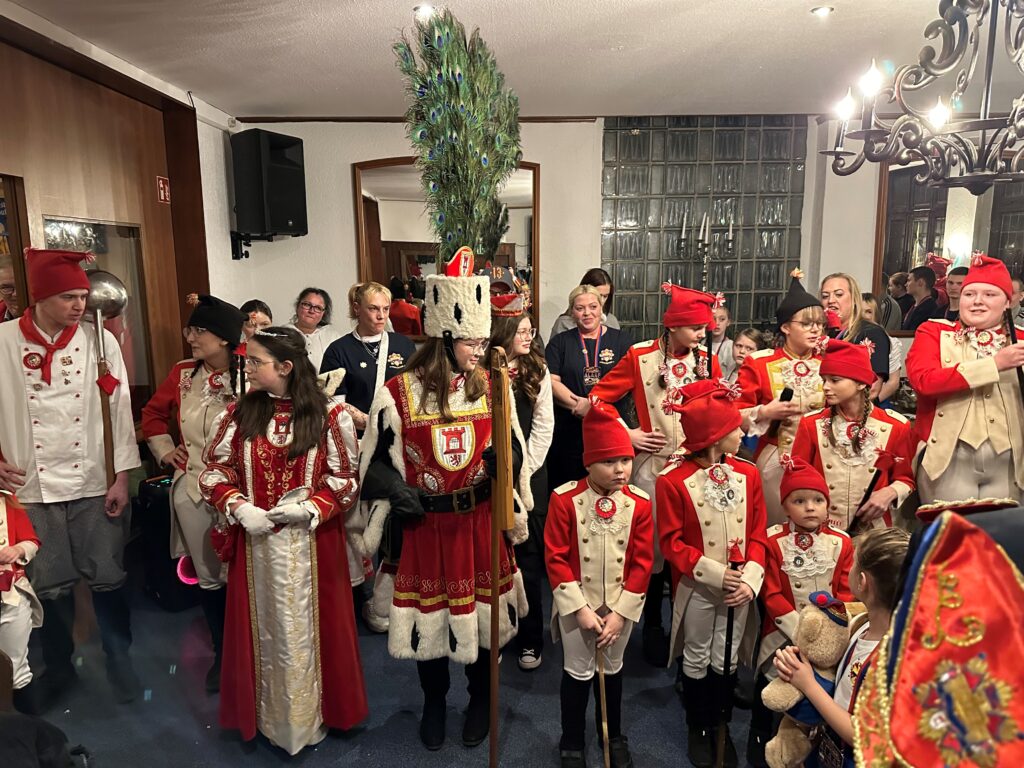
{"type": "Point", "coordinates": [529, 659]}
{"type": "Point", "coordinates": [375, 623]}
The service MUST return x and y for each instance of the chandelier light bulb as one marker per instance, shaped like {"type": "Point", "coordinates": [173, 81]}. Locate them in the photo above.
{"type": "Point", "coordinates": [822, 11]}
{"type": "Point", "coordinates": [423, 12]}
{"type": "Point", "coordinates": [939, 114]}
{"type": "Point", "coordinates": [871, 81]}
{"type": "Point", "coordinates": [846, 106]}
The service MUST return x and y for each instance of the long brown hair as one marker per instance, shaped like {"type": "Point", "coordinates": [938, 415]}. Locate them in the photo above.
{"type": "Point", "coordinates": [431, 365]}
{"type": "Point", "coordinates": [865, 411]}
{"type": "Point", "coordinates": [531, 366]}
{"type": "Point", "coordinates": [309, 402]}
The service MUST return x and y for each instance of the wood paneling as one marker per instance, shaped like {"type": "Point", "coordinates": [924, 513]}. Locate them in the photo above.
{"type": "Point", "coordinates": [85, 151]}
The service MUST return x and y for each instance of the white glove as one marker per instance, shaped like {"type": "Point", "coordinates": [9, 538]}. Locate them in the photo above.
{"type": "Point", "coordinates": [295, 513]}
{"type": "Point", "coordinates": [256, 521]}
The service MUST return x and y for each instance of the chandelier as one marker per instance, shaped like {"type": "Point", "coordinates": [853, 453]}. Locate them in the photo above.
{"type": "Point", "coordinates": [970, 153]}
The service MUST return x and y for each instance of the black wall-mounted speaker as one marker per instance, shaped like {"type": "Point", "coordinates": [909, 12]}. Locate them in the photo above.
{"type": "Point", "coordinates": [270, 184]}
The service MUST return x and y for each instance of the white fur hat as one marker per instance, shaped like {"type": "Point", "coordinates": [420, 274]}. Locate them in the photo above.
{"type": "Point", "coordinates": [457, 301]}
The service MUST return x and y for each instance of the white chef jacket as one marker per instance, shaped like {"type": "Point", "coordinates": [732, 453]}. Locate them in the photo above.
{"type": "Point", "coordinates": [55, 432]}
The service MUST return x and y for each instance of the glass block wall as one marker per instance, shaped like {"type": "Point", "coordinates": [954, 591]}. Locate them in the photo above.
{"type": "Point", "coordinates": [747, 171]}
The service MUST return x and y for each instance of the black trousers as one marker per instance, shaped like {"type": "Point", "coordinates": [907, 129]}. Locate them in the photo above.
{"type": "Point", "coordinates": [530, 560]}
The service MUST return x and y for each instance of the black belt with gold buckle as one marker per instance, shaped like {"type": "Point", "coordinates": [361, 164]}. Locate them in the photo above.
{"type": "Point", "coordinates": [460, 501]}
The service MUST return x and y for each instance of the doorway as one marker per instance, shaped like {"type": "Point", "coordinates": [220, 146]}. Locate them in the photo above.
{"type": "Point", "coordinates": [13, 241]}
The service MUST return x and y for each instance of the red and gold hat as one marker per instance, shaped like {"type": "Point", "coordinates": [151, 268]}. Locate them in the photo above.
{"type": "Point", "coordinates": [508, 305]}
{"type": "Point", "coordinates": [851, 361]}
{"type": "Point", "coordinates": [985, 269]}
{"type": "Point", "coordinates": [689, 307]}
{"type": "Point", "coordinates": [945, 687]}
{"type": "Point", "coordinates": [51, 272]}
{"type": "Point", "coordinates": [798, 475]}
{"type": "Point", "coordinates": [926, 513]}
{"type": "Point", "coordinates": [604, 437]}
{"type": "Point", "coordinates": [707, 413]}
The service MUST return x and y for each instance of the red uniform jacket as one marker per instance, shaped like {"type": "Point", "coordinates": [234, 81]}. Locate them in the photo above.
{"type": "Point", "coordinates": [761, 379]}
{"type": "Point", "coordinates": [405, 318]}
{"type": "Point", "coordinates": [848, 478]}
{"type": "Point", "coordinates": [800, 564]}
{"type": "Point", "coordinates": [15, 528]}
{"type": "Point", "coordinates": [599, 559]}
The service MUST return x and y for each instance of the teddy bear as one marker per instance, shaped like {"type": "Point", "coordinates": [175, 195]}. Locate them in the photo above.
{"type": "Point", "coordinates": [822, 635]}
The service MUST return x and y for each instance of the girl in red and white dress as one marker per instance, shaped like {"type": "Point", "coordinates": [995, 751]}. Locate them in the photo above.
{"type": "Point", "coordinates": [862, 450]}
{"type": "Point", "coordinates": [281, 468]}
{"type": "Point", "coordinates": [426, 472]}
{"type": "Point", "coordinates": [712, 532]}
{"type": "Point", "coordinates": [770, 376]}
{"type": "Point", "coordinates": [193, 395]}
{"type": "Point", "coordinates": [20, 610]}
{"type": "Point", "coordinates": [655, 372]}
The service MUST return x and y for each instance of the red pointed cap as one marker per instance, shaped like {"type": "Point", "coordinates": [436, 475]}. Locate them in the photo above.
{"type": "Point", "coordinates": [604, 437]}
{"type": "Point", "coordinates": [689, 307]}
{"type": "Point", "coordinates": [798, 475]}
{"type": "Point", "coordinates": [51, 272]}
{"type": "Point", "coordinates": [707, 413]}
{"type": "Point", "coordinates": [851, 361]}
{"type": "Point", "coordinates": [985, 269]}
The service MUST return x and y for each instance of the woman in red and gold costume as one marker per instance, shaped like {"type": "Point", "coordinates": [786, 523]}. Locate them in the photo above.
{"type": "Point", "coordinates": [780, 385]}
{"type": "Point", "coordinates": [281, 467]}
{"type": "Point", "coordinates": [193, 395]}
{"type": "Point", "coordinates": [426, 469]}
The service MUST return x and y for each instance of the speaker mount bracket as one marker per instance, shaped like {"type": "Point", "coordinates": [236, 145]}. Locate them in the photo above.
{"type": "Point", "coordinates": [240, 241]}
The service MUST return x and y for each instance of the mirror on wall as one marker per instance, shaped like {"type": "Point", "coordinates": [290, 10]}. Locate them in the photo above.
{"type": "Point", "coordinates": [393, 234]}
{"type": "Point", "coordinates": [118, 250]}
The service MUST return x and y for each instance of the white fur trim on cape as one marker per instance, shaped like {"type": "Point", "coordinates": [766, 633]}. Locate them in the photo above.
{"type": "Point", "coordinates": [460, 305]}
{"type": "Point", "coordinates": [383, 594]}
{"type": "Point", "coordinates": [471, 631]}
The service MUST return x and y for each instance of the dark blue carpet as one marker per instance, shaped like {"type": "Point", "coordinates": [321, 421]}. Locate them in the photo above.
{"type": "Point", "coordinates": [175, 723]}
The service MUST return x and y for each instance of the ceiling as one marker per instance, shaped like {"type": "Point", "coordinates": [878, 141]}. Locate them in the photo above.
{"type": "Point", "coordinates": [404, 183]}
{"type": "Point", "coordinates": [563, 57]}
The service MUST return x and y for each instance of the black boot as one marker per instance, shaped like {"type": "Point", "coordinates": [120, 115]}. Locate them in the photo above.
{"type": "Point", "coordinates": [573, 698]}
{"type": "Point", "coordinates": [697, 698]}
{"type": "Point", "coordinates": [114, 618]}
{"type": "Point", "coordinates": [434, 680]}
{"type": "Point", "coordinates": [478, 714]}
{"type": "Point", "coordinates": [618, 745]}
{"type": "Point", "coordinates": [214, 602]}
{"type": "Point", "coordinates": [27, 699]}
{"type": "Point", "coordinates": [722, 692]}
{"type": "Point", "coordinates": [58, 646]}
{"type": "Point", "coordinates": [762, 721]}
{"type": "Point", "coordinates": [655, 640]}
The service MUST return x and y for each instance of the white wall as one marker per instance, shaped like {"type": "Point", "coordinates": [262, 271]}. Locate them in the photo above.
{"type": "Point", "coordinates": [570, 174]}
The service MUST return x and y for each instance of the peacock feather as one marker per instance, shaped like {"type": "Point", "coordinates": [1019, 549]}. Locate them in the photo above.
{"type": "Point", "coordinates": [464, 126]}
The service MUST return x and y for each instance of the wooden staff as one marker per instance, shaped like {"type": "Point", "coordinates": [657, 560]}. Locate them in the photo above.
{"type": "Point", "coordinates": [501, 514]}
{"type": "Point", "coordinates": [604, 707]}
{"type": "Point", "coordinates": [108, 427]}
{"type": "Point", "coordinates": [1011, 331]}
{"type": "Point", "coordinates": [725, 715]}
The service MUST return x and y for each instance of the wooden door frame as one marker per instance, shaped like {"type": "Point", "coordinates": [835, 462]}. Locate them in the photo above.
{"type": "Point", "coordinates": [18, 236]}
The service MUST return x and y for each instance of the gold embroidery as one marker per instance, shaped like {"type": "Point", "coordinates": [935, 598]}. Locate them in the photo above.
{"type": "Point", "coordinates": [974, 628]}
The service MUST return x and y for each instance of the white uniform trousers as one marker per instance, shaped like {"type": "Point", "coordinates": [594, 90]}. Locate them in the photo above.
{"type": "Point", "coordinates": [704, 622]}
{"type": "Point", "coordinates": [972, 474]}
{"type": "Point", "coordinates": [646, 467]}
{"type": "Point", "coordinates": [771, 479]}
{"type": "Point", "coordinates": [579, 648]}
{"type": "Point", "coordinates": [194, 522]}
{"type": "Point", "coordinates": [15, 627]}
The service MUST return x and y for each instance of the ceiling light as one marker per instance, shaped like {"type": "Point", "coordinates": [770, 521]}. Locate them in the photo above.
{"type": "Point", "coordinates": [822, 11]}
{"type": "Point", "coordinates": [423, 12]}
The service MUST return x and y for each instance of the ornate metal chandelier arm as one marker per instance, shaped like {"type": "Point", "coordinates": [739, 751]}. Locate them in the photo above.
{"type": "Point", "coordinates": [1013, 32]}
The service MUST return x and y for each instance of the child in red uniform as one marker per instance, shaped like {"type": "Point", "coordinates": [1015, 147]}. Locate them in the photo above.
{"type": "Point", "coordinates": [711, 514]}
{"type": "Point", "coordinates": [599, 542]}
{"type": "Point", "coordinates": [805, 556]}
{"type": "Point", "coordinates": [20, 610]}
{"type": "Point", "coordinates": [851, 440]}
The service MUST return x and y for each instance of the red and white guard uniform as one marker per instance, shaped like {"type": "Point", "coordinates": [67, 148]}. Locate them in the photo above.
{"type": "Point", "coordinates": [705, 512]}
{"type": "Point", "coordinates": [440, 603]}
{"type": "Point", "coordinates": [20, 610]}
{"type": "Point", "coordinates": [761, 379]}
{"type": "Point", "coordinates": [195, 402]}
{"type": "Point", "coordinates": [848, 473]}
{"type": "Point", "coordinates": [599, 551]}
{"type": "Point", "coordinates": [291, 654]}
{"type": "Point", "coordinates": [798, 565]}
{"type": "Point", "coordinates": [970, 422]}
{"type": "Point", "coordinates": [640, 373]}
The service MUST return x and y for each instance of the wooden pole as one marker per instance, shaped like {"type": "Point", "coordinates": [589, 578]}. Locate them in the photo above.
{"type": "Point", "coordinates": [602, 697]}
{"type": "Point", "coordinates": [501, 516]}
{"type": "Point", "coordinates": [108, 427]}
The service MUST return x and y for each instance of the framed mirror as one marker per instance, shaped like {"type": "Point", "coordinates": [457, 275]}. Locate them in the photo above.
{"type": "Point", "coordinates": [393, 235]}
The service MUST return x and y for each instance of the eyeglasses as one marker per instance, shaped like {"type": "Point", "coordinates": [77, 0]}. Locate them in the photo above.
{"type": "Point", "coordinates": [252, 363]}
{"type": "Point", "coordinates": [527, 333]}
{"type": "Point", "coordinates": [8, 289]}
{"type": "Point", "coordinates": [809, 324]}
{"type": "Point", "coordinates": [314, 308]}
{"type": "Point", "coordinates": [192, 330]}
{"type": "Point", "coordinates": [479, 347]}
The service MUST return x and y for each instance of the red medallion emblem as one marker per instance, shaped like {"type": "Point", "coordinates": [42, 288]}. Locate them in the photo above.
{"type": "Point", "coordinates": [804, 541]}
{"type": "Point", "coordinates": [984, 338]}
{"type": "Point", "coordinates": [852, 429]}
{"type": "Point", "coordinates": [215, 382]}
{"type": "Point", "coordinates": [33, 361]}
{"type": "Point", "coordinates": [718, 475]}
{"type": "Point", "coordinates": [801, 368]}
{"type": "Point", "coordinates": [605, 508]}
{"type": "Point", "coordinates": [679, 369]}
